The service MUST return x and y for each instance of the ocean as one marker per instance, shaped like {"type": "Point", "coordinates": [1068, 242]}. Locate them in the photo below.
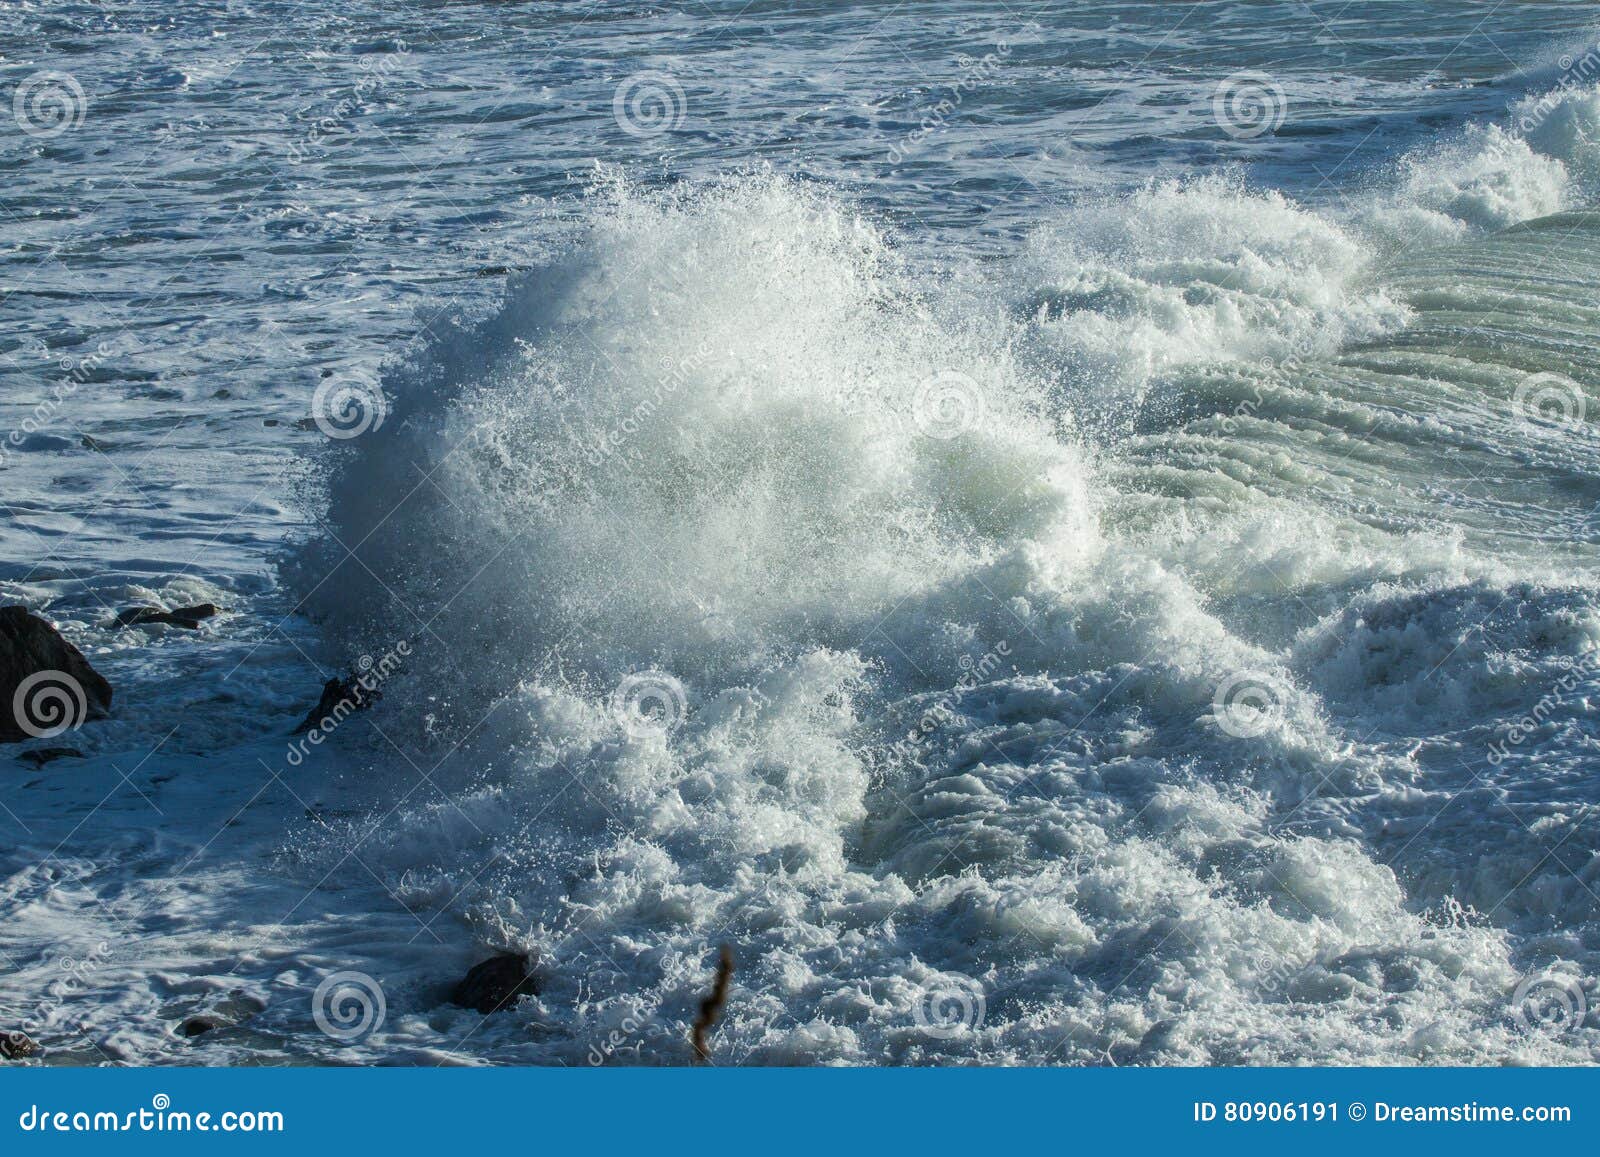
{"type": "Point", "coordinates": [1060, 534]}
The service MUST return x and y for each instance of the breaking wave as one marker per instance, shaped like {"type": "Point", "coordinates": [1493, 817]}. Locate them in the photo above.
{"type": "Point", "coordinates": [1021, 638]}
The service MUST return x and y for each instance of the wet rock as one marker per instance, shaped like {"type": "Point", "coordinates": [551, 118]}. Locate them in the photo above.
{"type": "Point", "coordinates": [340, 697]}
{"type": "Point", "coordinates": [16, 1045]}
{"type": "Point", "coordinates": [40, 756]}
{"type": "Point", "coordinates": [46, 685]}
{"type": "Point", "coordinates": [196, 1025]}
{"type": "Point", "coordinates": [495, 984]}
{"type": "Point", "coordinates": [189, 618]}
{"type": "Point", "coordinates": [40, 442]}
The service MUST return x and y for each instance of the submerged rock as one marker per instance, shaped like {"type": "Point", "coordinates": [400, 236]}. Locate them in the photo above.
{"type": "Point", "coordinates": [188, 618]}
{"type": "Point", "coordinates": [40, 756]}
{"type": "Point", "coordinates": [196, 1025]}
{"type": "Point", "coordinates": [16, 1045]}
{"type": "Point", "coordinates": [495, 984]}
{"type": "Point", "coordinates": [46, 685]}
{"type": "Point", "coordinates": [340, 697]}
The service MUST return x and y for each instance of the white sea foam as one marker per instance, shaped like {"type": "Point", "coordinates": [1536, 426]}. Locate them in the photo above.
{"type": "Point", "coordinates": [1130, 627]}
{"type": "Point", "coordinates": [1187, 272]}
{"type": "Point", "coordinates": [947, 715]}
{"type": "Point", "coordinates": [1544, 158]}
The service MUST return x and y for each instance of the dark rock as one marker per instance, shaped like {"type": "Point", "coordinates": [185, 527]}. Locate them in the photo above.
{"type": "Point", "coordinates": [46, 685]}
{"type": "Point", "coordinates": [89, 443]}
{"type": "Point", "coordinates": [16, 1045]}
{"type": "Point", "coordinates": [495, 984]}
{"type": "Point", "coordinates": [224, 392]}
{"type": "Point", "coordinates": [189, 618]}
{"type": "Point", "coordinates": [270, 422]}
{"type": "Point", "coordinates": [306, 424]}
{"type": "Point", "coordinates": [196, 1025]}
{"type": "Point", "coordinates": [340, 697]}
{"type": "Point", "coordinates": [43, 442]}
{"type": "Point", "coordinates": [40, 756]}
